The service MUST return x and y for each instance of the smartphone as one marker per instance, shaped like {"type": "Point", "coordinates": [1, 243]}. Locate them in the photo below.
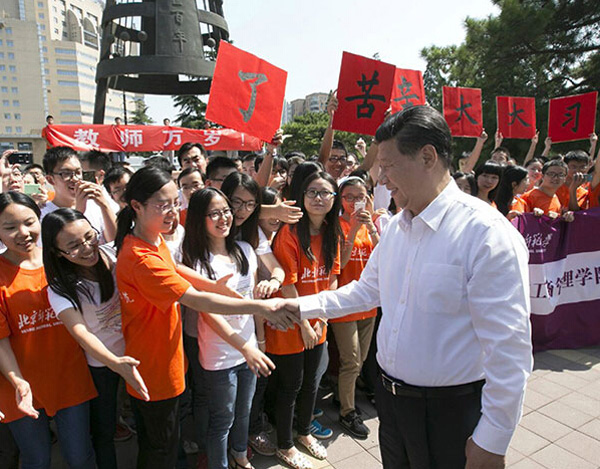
{"type": "Point", "coordinates": [89, 176]}
{"type": "Point", "coordinates": [31, 189]}
{"type": "Point", "coordinates": [588, 178]}
{"type": "Point", "coordinates": [20, 158]}
{"type": "Point", "coordinates": [360, 205]}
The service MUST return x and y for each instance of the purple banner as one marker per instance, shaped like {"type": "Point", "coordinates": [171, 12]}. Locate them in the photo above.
{"type": "Point", "coordinates": [564, 270]}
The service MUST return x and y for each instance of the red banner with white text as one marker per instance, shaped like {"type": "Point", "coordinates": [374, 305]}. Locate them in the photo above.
{"type": "Point", "coordinates": [138, 138]}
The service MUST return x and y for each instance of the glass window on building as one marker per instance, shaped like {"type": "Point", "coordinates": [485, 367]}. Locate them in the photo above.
{"type": "Point", "coordinates": [43, 38]}
{"type": "Point", "coordinates": [40, 4]}
{"type": "Point", "coordinates": [25, 146]}
{"type": "Point", "coordinates": [4, 89]}
{"type": "Point", "coordinates": [10, 43]}
{"type": "Point", "coordinates": [0, 42]}
{"type": "Point", "coordinates": [13, 68]}
{"type": "Point", "coordinates": [1, 55]}
{"type": "Point", "coordinates": [42, 27]}
{"type": "Point", "coordinates": [55, 30]}
{"type": "Point", "coordinates": [14, 90]}
{"type": "Point", "coordinates": [17, 116]}
{"type": "Point", "coordinates": [8, 129]}
{"type": "Point", "coordinates": [19, 130]}
{"type": "Point", "coordinates": [2, 67]}
{"type": "Point", "coordinates": [5, 103]}
{"type": "Point", "coordinates": [16, 103]}
{"type": "Point", "coordinates": [7, 116]}
{"type": "Point", "coordinates": [41, 16]}
{"type": "Point", "coordinates": [8, 31]}
{"type": "Point", "coordinates": [44, 49]}
{"type": "Point", "coordinates": [11, 56]}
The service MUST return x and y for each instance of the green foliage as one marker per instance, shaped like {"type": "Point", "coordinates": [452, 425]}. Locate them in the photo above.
{"type": "Point", "coordinates": [537, 48]}
{"type": "Point", "coordinates": [192, 111]}
{"type": "Point", "coordinates": [140, 114]}
{"type": "Point", "coordinates": [307, 133]}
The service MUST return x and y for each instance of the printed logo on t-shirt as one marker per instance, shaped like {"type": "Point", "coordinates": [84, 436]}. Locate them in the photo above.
{"type": "Point", "coordinates": [125, 297]}
{"type": "Point", "coordinates": [36, 320]}
{"type": "Point", "coordinates": [314, 275]}
{"type": "Point", "coordinates": [358, 254]}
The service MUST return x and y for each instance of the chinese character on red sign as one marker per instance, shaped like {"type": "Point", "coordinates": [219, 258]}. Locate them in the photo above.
{"type": "Point", "coordinates": [462, 111]}
{"type": "Point", "coordinates": [364, 91]}
{"type": "Point", "coordinates": [516, 116]}
{"type": "Point", "coordinates": [246, 93]}
{"type": "Point", "coordinates": [572, 117]}
{"type": "Point", "coordinates": [408, 89]}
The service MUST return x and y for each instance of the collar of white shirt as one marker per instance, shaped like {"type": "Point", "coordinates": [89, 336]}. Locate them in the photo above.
{"type": "Point", "coordinates": [434, 213]}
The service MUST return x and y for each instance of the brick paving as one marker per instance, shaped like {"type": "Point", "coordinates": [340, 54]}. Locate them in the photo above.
{"type": "Point", "coordinates": [560, 428]}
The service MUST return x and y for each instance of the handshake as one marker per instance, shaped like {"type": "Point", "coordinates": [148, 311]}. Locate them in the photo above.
{"type": "Point", "coordinates": [281, 313]}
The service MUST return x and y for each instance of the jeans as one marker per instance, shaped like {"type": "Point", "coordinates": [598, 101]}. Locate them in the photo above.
{"type": "Point", "coordinates": [297, 376]}
{"type": "Point", "coordinates": [73, 426]}
{"type": "Point", "coordinates": [230, 395]}
{"type": "Point", "coordinates": [103, 416]}
{"type": "Point", "coordinates": [196, 384]}
{"type": "Point", "coordinates": [9, 451]}
{"type": "Point", "coordinates": [258, 406]}
{"type": "Point", "coordinates": [157, 424]}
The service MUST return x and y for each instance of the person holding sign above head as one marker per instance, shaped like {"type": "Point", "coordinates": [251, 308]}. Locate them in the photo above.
{"type": "Point", "coordinates": [39, 360]}
{"type": "Point", "coordinates": [151, 287]}
{"type": "Point", "coordinates": [451, 276]}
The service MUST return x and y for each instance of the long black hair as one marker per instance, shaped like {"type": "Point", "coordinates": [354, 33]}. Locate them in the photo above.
{"type": "Point", "coordinates": [504, 197]}
{"type": "Point", "coordinates": [331, 229]}
{"type": "Point", "coordinates": [62, 274]}
{"type": "Point", "coordinates": [249, 228]}
{"type": "Point", "coordinates": [303, 170]}
{"type": "Point", "coordinates": [14, 197]}
{"type": "Point", "coordinates": [142, 185]}
{"type": "Point", "coordinates": [196, 246]}
{"type": "Point", "coordinates": [489, 167]}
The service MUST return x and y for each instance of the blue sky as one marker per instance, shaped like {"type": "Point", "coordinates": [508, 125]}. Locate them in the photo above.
{"type": "Point", "coordinates": [306, 38]}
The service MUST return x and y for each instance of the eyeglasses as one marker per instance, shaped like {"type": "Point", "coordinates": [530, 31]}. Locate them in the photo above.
{"type": "Point", "coordinates": [556, 175]}
{"type": "Point", "coordinates": [117, 191]}
{"type": "Point", "coordinates": [67, 175]}
{"type": "Point", "coordinates": [91, 239]}
{"type": "Point", "coordinates": [324, 194]}
{"type": "Point", "coordinates": [167, 206]}
{"type": "Point", "coordinates": [216, 214]}
{"type": "Point", "coordinates": [351, 198]}
{"type": "Point", "coordinates": [249, 205]}
{"type": "Point", "coordinates": [335, 159]}
{"type": "Point", "coordinates": [192, 187]}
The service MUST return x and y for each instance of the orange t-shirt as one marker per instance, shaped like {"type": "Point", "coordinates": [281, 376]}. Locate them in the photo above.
{"type": "Point", "coordinates": [361, 251]}
{"type": "Point", "coordinates": [536, 198]}
{"type": "Point", "coordinates": [308, 278]}
{"type": "Point", "coordinates": [49, 358]}
{"type": "Point", "coordinates": [592, 197]}
{"type": "Point", "coordinates": [563, 196]}
{"type": "Point", "coordinates": [150, 288]}
{"type": "Point", "coordinates": [518, 204]}
{"type": "Point", "coordinates": [183, 216]}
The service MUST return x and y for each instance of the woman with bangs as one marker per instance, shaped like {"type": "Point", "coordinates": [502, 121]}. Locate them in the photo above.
{"type": "Point", "coordinates": [309, 255]}
{"type": "Point", "coordinates": [487, 176]}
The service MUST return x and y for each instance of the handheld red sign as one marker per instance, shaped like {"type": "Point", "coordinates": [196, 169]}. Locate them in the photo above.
{"type": "Point", "coordinates": [364, 91]}
{"type": "Point", "coordinates": [572, 117]}
{"type": "Point", "coordinates": [462, 111]}
{"type": "Point", "coordinates": [246, 93]}
{"type": "Point", "coordinates": [515, 116]}
{"type": "Point", "coordinates": [408, 89]}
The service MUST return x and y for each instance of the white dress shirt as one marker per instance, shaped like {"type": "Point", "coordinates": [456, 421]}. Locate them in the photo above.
{"type": "Point", "coordinates": [453, 285]}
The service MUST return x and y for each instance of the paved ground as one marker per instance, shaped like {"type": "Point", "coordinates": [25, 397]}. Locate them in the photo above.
{"type": "Point", "coordinates": [560, 428]}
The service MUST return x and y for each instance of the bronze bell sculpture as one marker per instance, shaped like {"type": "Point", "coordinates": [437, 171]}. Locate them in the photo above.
{"type": "Point", "coordinates": [148, 45]}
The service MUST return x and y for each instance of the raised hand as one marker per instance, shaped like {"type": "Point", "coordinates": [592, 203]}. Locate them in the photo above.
{"type": "Point", "coordinates": [288, 213]}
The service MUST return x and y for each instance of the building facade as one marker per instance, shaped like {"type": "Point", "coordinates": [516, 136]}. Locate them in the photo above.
{"type": "Point", "coordinates": [314, 102]}
{"type": "Point", "coordinates": [48, 55]}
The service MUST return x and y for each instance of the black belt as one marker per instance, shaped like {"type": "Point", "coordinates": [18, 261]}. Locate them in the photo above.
{"type": "Point", "coordinates": [400, 388]}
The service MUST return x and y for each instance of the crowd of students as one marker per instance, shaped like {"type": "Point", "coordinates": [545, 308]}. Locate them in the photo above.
{"type": "Point", "coordinates": [157, 278]}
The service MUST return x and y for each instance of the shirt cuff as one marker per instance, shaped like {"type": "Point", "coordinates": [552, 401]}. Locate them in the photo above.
{"type": "Point", "coordinates": [491, 438]}
{"type": "Point", "coordinates": [310, 307]}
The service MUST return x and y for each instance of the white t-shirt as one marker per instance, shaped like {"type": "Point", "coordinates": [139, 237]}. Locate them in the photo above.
{"type": "Point", "coordinates": [215, 353]}
{"type": "Point", "coordinates": [102, 319]}
{"type": "Point", "coordinates": [263, 243]}
{"type": "Point", "coordinates": [381, 197]}
{"type": "Point", "coordinates": [174, 241]}
{"type": "Point", "coordinates": [93, 213]}
{"type": "Point", "coordinates": [112, 204]}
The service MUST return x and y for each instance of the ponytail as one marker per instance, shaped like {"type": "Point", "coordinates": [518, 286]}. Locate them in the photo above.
{"type": "Point", "coordinates": [125, 220]}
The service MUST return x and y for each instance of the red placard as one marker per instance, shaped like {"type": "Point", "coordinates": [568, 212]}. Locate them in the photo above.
{"type": "Point", "coordinates": [246, 93]}
{"type": "Point", "coordinates": [515, 116]}
{"type": "Point", "coordinates": [572, 117]}
{"type": "Point", "coordinates": [136, 138]}
{"type": "Point", "coordinates": [364, 91]}
{"type": "Point", "coordinates": [408, 89]}
{"type": "Point", "coordinates": [462, 111]}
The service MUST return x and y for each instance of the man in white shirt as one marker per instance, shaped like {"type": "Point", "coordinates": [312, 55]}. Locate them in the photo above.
{"type": "Point", "coordinates": [450, 274]}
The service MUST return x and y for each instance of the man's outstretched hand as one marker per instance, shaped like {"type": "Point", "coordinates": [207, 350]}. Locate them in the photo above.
{"type": "Point", "coordinates": [281, 313]}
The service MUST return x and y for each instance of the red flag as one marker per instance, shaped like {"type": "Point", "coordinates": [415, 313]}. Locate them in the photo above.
{"type": "Point", "coordinates": [364, 90]}
{"type": "Point", "coordinates": [516, 116]}
{"type": "Point", "coordinates": [572, 117]}
{"type": "Point", "coordinates": [462, 111]}
{"type": "Point", "coordinates": [408, 89]}
{"type": "Point", "coordinates": [246, 93]}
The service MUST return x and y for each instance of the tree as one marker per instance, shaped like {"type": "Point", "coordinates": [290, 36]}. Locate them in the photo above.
{"type": "Point", "coordinates": [307, 132]}
{"type": "Point", "coordinates": [192, 111]}
{"type": "Point", "coordinates": [140, 115]}
{"type": "Point", "coordinates": [538, 48]}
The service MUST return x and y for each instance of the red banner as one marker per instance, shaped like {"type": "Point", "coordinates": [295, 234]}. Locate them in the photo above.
{"type": "Point", "coordinates": [408, 89]}
{"type": "Point", "coordinates": [462, 111]}
{"type": "Point", "coordinates": [364, 91]}
{"type": "Point", "coordinates": [572, 117]}
{"type": "Point", "coordinates": [136, 138]}
{"type": "Point", "coordinates": [247, 93]}
{"type": "Point", "coordinates": [516, 116]}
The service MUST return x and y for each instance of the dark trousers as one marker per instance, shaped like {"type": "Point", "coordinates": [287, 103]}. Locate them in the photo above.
{"type": "Point", "coordinates": [157, 424]}
{"type": "Point", "coordinates": [258, 406]}
{"type": "Point", "coordinates": [9, 451]}
{"type": "Point", "coordinates": [296, 376]}
{"type": "Point", "coordinates": [103, 416]}
{"type": "Point", "coordinates": [425, 433]}
{"type": "Point", "coordinates": [197, 392]}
